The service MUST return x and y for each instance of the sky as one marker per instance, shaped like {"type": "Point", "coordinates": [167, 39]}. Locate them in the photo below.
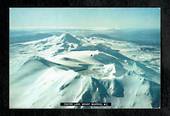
{"type": "Point", "coordinates": [84, 18]}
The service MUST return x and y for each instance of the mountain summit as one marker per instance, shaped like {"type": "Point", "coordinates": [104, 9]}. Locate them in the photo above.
{"type": "Point", "coordinates": [68, 38]}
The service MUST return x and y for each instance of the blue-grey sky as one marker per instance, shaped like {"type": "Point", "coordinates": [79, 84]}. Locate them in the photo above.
{"type": "Point", "coordinates": [84, 18]}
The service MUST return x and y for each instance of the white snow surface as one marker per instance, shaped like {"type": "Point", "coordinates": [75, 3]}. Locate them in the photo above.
{"type": "Point", "coordinates": [45, 72]}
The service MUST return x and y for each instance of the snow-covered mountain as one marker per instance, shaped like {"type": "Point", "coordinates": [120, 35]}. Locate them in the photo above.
{"type": "Point", "coordinates": [67, 68]}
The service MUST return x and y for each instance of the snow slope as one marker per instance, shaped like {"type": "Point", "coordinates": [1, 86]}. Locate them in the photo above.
{"type": "Point", "coordinates": [65, 68]}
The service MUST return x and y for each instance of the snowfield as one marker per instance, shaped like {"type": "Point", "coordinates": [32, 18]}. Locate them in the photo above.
{"type": "Point", "coordinates": [68, 68]}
